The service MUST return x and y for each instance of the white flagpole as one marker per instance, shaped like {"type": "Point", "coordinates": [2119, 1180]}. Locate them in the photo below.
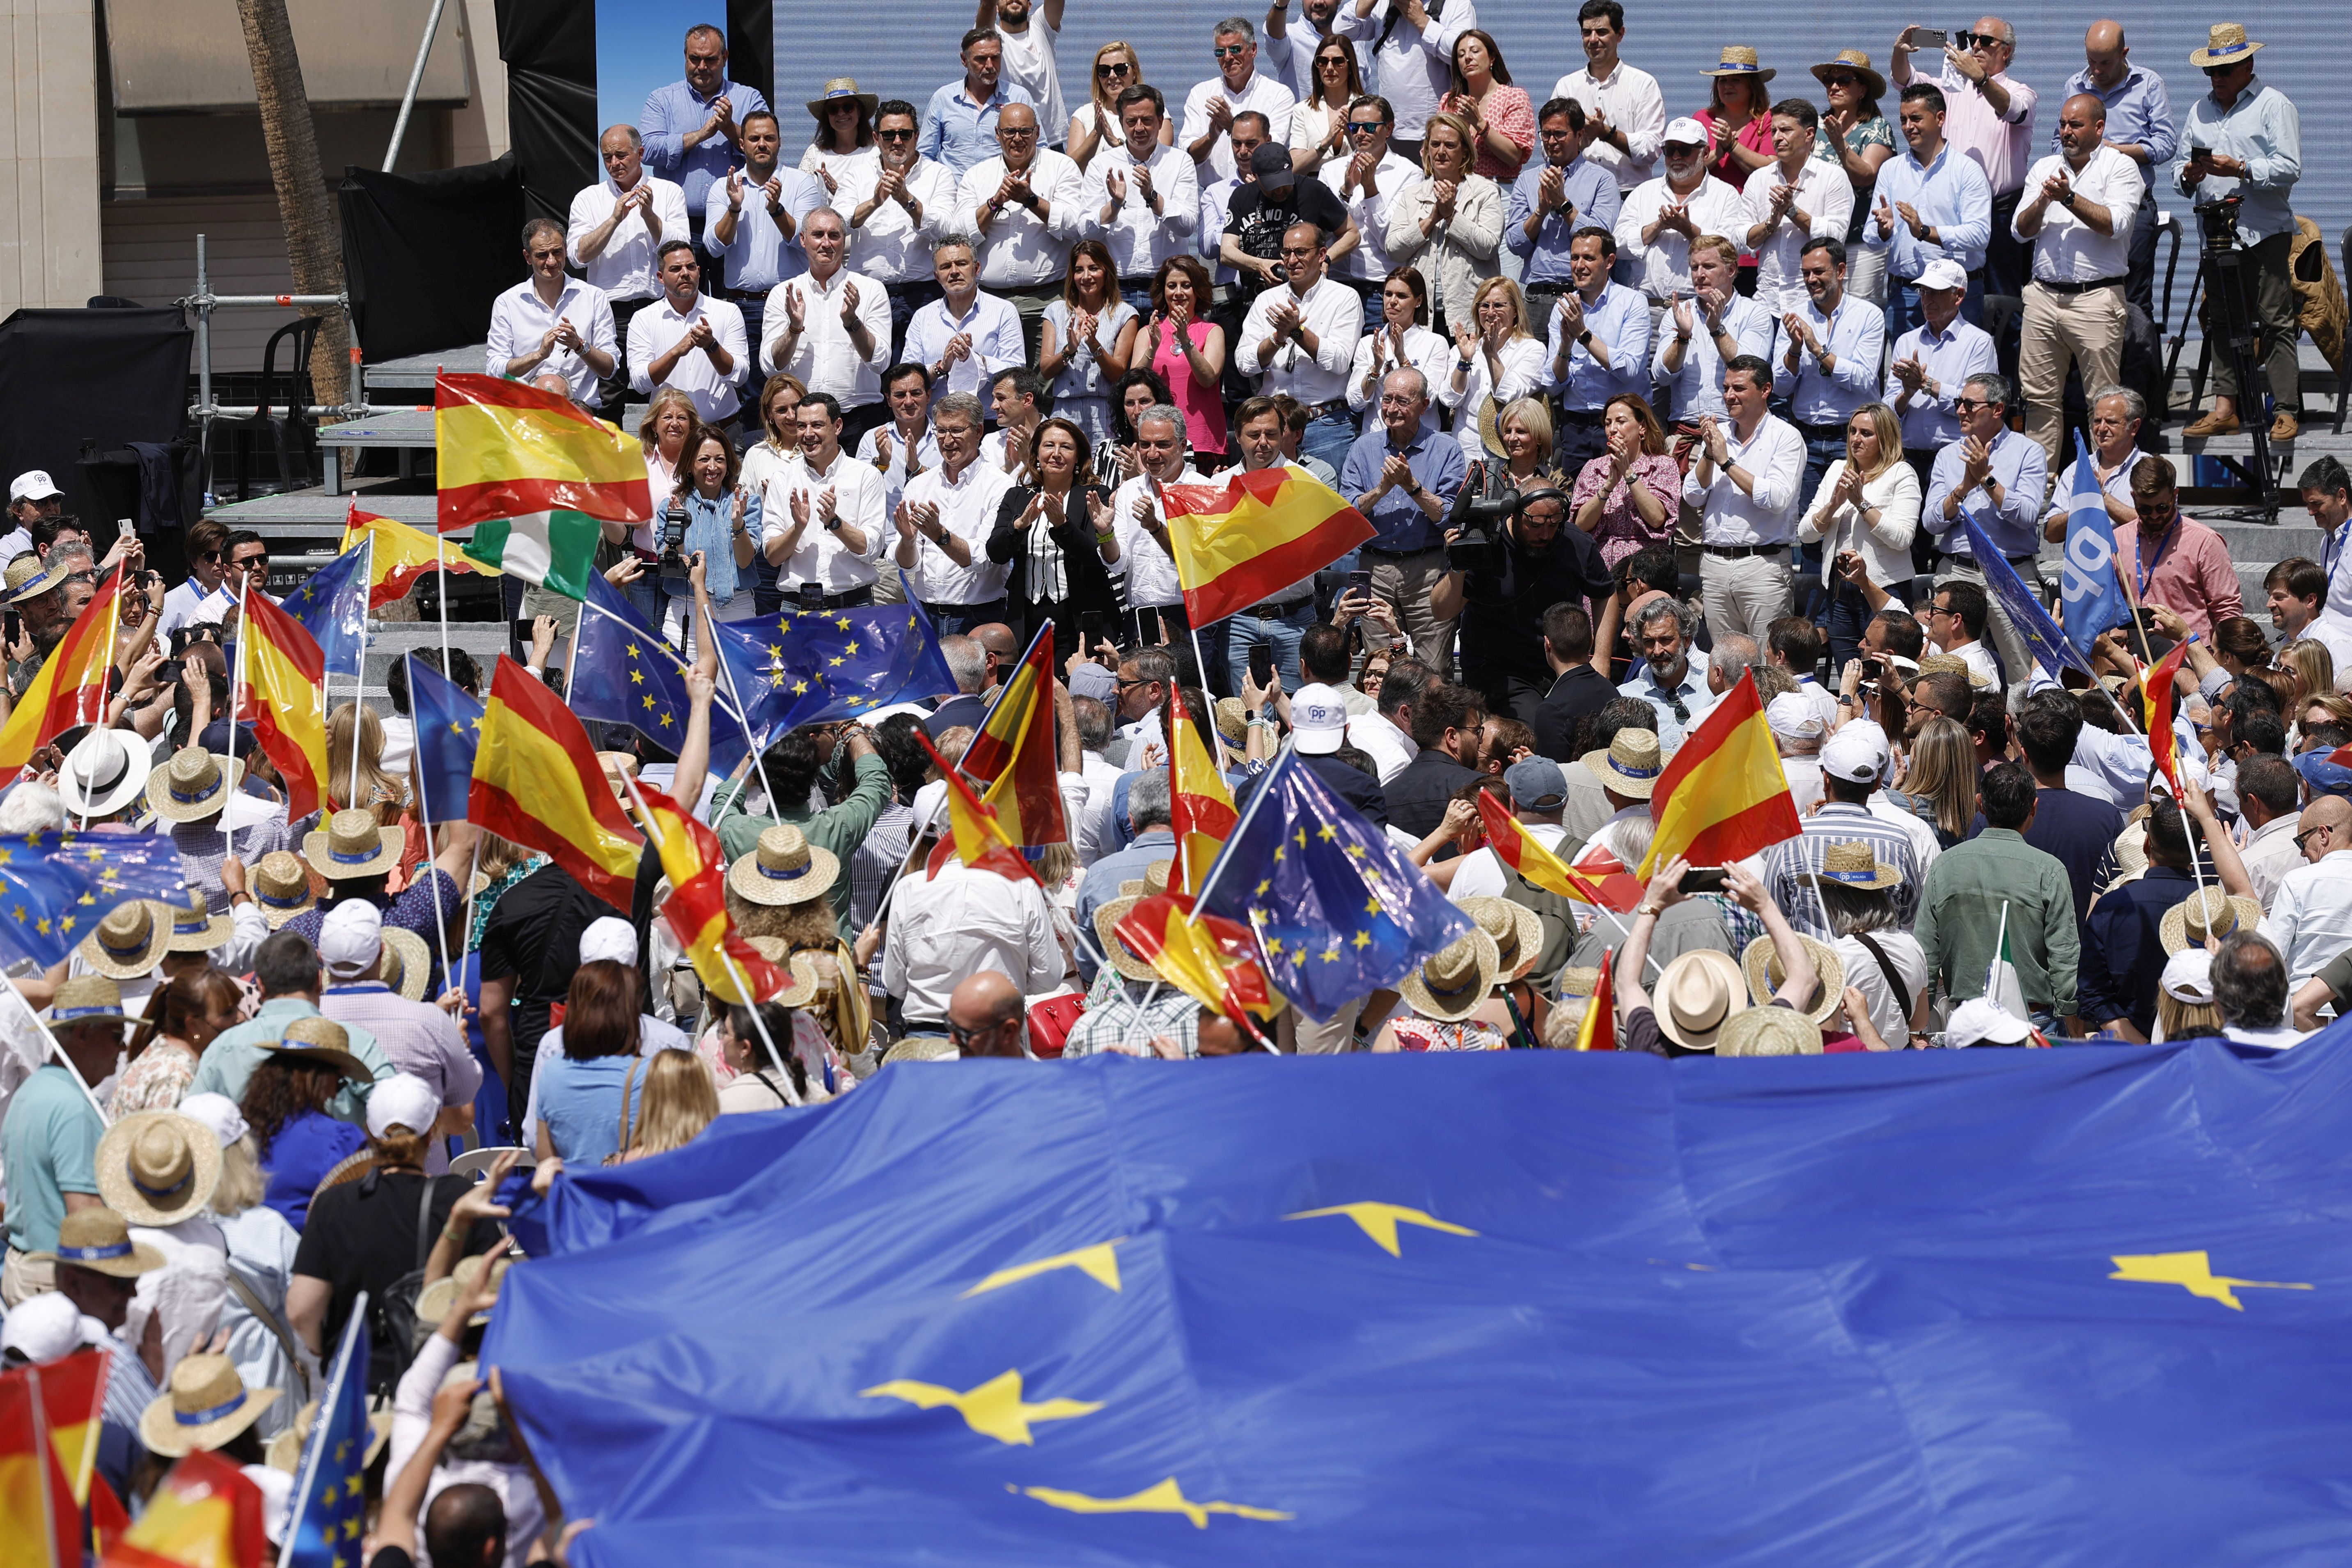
{"type": "Point", "coordinates": [41, 1024]}
{"type": "Point", "coordinates": [1999, 942]}
{"type": "Point", "coordinates": [358, 690]}
{"type": "Point", "coordinates": [235, 701]}
{"type": "Point", "coordinates": [433, 880]}
{"type": "Point", "coordinates": [307, 1482]}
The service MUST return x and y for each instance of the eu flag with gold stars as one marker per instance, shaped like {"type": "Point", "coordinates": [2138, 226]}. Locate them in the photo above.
{"type": "Point", "coordinates": [1340, 910]}
{"type": "Point", "coordinates": [809, 666]}
{"type": "Point", "coordinates": [328, 1506]}
{"type": "Point", "coordinates": [331, 606]}
{"type": "Point", "coordinates": [624, 674]}
{"type": "Point", "coordinates": [55, 887]}
{"type": "Point", "coordinates": [448, 732]}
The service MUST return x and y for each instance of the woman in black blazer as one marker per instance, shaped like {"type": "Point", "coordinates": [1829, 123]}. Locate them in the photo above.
{"type": "Point", "coordinates": [1056, 530]}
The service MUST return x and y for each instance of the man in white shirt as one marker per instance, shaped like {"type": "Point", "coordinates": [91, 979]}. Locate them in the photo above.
{"type": "Point", "coordinates": [967, 335]}
{"type": "Point", "coordinates": [751, 221]}
{"type": "Point", "coordinates": [2115, 456]}
{"type": "Point", "coordinates": [1412, 54]}
{"type": "Point", "coordinates": [897, 206]}
{"type": "Point", "coordinates": [1790, 201]}
{"type": "Point", "coordinates": [944, 928]}
{"type": "Point", "coordinates": [2077, 214]}
{"type": "Point", "coordinates": [1660, 217]}
{"type": "Point", "coordinates": [831, 327]}
{"type": "Point", "coordinates": [1956, 624]}
{"type": "Point", "coordinates": [1155, 599]}
{"type": "Point", "coordinates": [616, 229]}
{"type": "Point", "coordinates": [1290, 57]}
{"type": "Point", "coordinates": [1702, 334]}
{"type": "Point", "coordinates": [1744, 482]}
{"type": "Point", "coordinates": [902, 446]}
{"type": "Point", "coordinates": [944, 521]}
{"type": "Point", "coordinates": [1145, 196]}
{"type": "Point", "coordinates": [2269, 791]}
{"type": "Point", "coordinates": [1624, 103]}
{"type": "Point", "coordinates": [1028, 29]}
{"type": "Point", "coordinates": [1366, 181]}
{"type": "Point", "coordinates": [2310, 919]}
{"type": "Point", "coordinates": [1028, 207]}
{"type": "Point", "coordinates": [1930, 366]}
{"type": "Point", "coordinates": [1301, 338]}
{"type": "Point", "coordinates": [1238, 86]}
{"type": "Point", "coordinates": [689, 341]}
{"type": "Point", "coordinates": [551, 323]}
{"type": "Point", "coordinates": [833, 517]}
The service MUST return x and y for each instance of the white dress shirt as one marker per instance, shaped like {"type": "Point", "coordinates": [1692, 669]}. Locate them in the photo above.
{"type": "Point", "coordinates": [1526, 364]}
{"type": "Point", "coordinates": [1775, 459]}
{"type": "Point", "coordinates": [2310, 919]}
{"type": "Point", "coordinates": [1391, 749]}
{"type": "Point", "coordinates": [890, 244]}
{"type": "Point", "coordinates": [1885, 545]}
{"type": "Point", "coordinates": [1821, 208]}
{"type": "Point", "coordinates": [520, 318]}
{"type": "Point", "coordinates": [902, 466]}
{"type": "Point", "coordinates": [760, 257]}
{"type": "Point", "coordinates": [1150, 575]}
{"type": "Point", "coordinates": [825, 359]}
{"type": "Point", "coordinates": [946, 927]}
{"type": "Point", "coordinates": [967, 510]}
{"type": "Point", "coordinates": [1415, 65]}
{"type": "Point", "coordinates": [1334, 313]}
{"type": "Point", "coordinates": [1662, 268]}
{"type": "Point", "coordinates": [1216, 207]}
{"type": "Point", "coordinates": [1696, 389]}
{"type": "Point", "coordinates": [624, 268]}
{"type": "Point", "coordinates": [2269, 854]}
{"type": "Point", "coordinates": [1424, 351]}
{"type": "Point", "coordinates": [2068, 250]}
{"type": "Point", "coordinates": [1262, 92]}
{"type": "Point", "coordinates": [1020, 248]}
{"type": "Point", "coordinates": [857, 503]}
{"type": "Point", "coordinates": [653, 329]}
{"type": "Point", "coordinates": [1369, 258]}
{"type": "Point", "coordinates": [1139, 240]}
{"type": "Point", "coordinates": [1631, 100]}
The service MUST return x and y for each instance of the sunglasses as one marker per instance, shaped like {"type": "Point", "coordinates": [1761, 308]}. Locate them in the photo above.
{"type": "Point", "coordinates": [1970, 404]}
{"type": "Point", "coordinates": [895, 135]}
{"type": "Point", "coordinates": [1230, 51]}
{"type": "Point", "coordinates": [1842, 79]}
{"type": "Point", "coordinates": [1365, 127]}
{"type": "Point", "coordinates": [1970, 40]}
{"type": "Point", "coordinates": [961, 1036]}
{"type": "Point", "coordinates": [1118, 68]}
{"type": "Point", "coordinates": [2306, 835]}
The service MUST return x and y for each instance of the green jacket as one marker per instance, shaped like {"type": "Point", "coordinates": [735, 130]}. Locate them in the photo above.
{"type": "Point", "coordinates": [1960, 919]}
{"type": "Point", "coordinates": [839, 829]}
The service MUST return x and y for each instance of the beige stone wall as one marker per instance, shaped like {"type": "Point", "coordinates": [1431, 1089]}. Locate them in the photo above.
{"type": "Point", "coordinates": [478, 133]}
{"type": "Point", "coordinates": [49, 252]}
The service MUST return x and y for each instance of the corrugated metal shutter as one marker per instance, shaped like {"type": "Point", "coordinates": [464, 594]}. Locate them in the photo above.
{"type": "Point", "coordinates": [909, 50]}
{"type": "Point", "coordinates": [150, 256]}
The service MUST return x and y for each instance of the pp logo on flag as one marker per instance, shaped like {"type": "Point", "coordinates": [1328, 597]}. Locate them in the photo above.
{"type": "Point", "coordinates": [2090, 566]}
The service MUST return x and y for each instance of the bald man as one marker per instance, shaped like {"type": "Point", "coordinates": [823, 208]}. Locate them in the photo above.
{"type": "Point", "coordinates": [1027, 206]}
{"type": "Point", "coordinates": [2310, 919]}
{"type": "Point", "coordinates": [1002, 648]}
{"type": "Point", "coordinates": [2140, 127]}
{"type": "Point", "coordinates": [2077, 214]}
{"type": "Point", "coordinates": [987, 1016]}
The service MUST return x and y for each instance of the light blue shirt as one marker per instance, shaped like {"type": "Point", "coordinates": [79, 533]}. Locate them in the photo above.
{"type": "Point", "coordinates": [958, 133]}
{"type": "Point", "coordinates": [894, 475]}
{"type": "Point", "coordinates": [1950, 196]}
{"type": "Point", "coordinates": [1696, 389]}
{"type": "Point", "coordinates": [1951, 357]}
{"type": "Point", "coordinates": [1621, 319]}
{"type": "Point", "coordinates": [2015, 524]}
{"type": "Point", "coordinates": [2264, 131]}
{"type": "Point", "coordinates": [675, 110]}
{"type": "Point", "coordinates": [1592, 198]}
{"type": "Point", "coordinates": [760, 256]}
{"type": "Point", "coordinates": [995, 329]}
{"type": "Point", "coordinates": [1856, 336]}
{"type": "Point", "coordinates": [1436, 461]}
{"type": "Point", "coordinates": [1690, 692]}
{"type": "Point", "coordinates": [2139, 110]}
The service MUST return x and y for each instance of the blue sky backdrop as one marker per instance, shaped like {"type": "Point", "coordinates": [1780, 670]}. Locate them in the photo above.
{"type": "Point", "coordinates": [641, 44]}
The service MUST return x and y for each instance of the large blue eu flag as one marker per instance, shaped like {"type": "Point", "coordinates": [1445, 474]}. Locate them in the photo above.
{"type": "Point", "coordinates": [1340, 910]}
{"type": "Point", "coordinates": [331, 606]}
{"type": "Point", "coordinates": [809, 666]}
{"type": "Point", "coordinates": [624, 674]}
{"type": "Point", "coordinates": [55, 887]}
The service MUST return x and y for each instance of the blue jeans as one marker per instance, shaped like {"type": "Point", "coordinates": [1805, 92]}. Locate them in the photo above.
{"type": "Point", "coordinates": [1245, 631]}
{"type": "Point", "coordinates": [1328, 437]}
{"type": "Point", "coordinates": [1139, 298]}
{"type": "Point", "coordinates": [960, 618]}
{"type": "Point", "coordinates": [1903, 311]}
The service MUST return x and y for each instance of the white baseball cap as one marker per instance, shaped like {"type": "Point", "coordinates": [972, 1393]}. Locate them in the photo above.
{"type": "Point", "coordinates": [404, 1100]}
{"type": "Point", "coordinates": [351, 940]}
{"type": "Point", "coordinates": [1687, 133]}
{"type": "Point", "coordinates": [1943, 273]}
{"type": "Point", "coordinates": [217, 1111]}
{"type": "Point", "coordinates": [1319, 719]}
{"type": "Point", "coordinates": [1980, 1021]}
{"type": "Point", "coordinates": [1856, 753]}
{"type": "Point", "coordinates": [609, 937]}
{"type": "Point", "coordinates": [33, 484]}
{"type": "Point", "coordinates": [1793, 716]}
{"type": "Point", "coordinates": [43, 1328]}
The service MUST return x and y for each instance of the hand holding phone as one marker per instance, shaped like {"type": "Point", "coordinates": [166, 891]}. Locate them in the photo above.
{"type": "Point", "coordinates": [1261, 666]}
{"type": "Point", "coordinates": [1702, 879]}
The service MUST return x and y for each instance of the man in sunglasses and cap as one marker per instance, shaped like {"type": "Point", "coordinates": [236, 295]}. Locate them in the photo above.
{"type": "Point", "coordinates": [32, 495]}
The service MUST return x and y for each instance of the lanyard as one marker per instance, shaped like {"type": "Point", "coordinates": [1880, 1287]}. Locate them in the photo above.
{"type": "Point", "coordinates": [2147, 575]}
{"type": "Point", "coordinates": [2335, 551]}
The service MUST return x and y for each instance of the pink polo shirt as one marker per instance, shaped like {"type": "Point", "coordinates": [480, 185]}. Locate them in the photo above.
{"type": "Point", "coordinates": [2002, 147]}
{"type": "Point", "coordinates": [2189, 571]}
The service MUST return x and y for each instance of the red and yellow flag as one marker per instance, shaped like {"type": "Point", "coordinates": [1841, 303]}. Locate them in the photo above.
{"type": "Point", "coordinates": [537, 780]}
{"type": "Point", "coordinates": [2157, 695]}
{"type": "Point", "coordinates": [205, 1515]}
{"type": "Point", "coordinates": [1200, 805]}
{"type": "Point", "coordinates": [976, 837]}
{"type": "Point", "coordinates": [1209, 958]}
{"type": "Point", "coordinates": [1011, 758]}
{"type": "Point", "coordinates": [286, 699]}
{"type": "Point", "coordinates": [1523, 852]}
{"type": "Point", "coordinates": [505, 448]}
{"type": "Point", "coordinates": [1724, 796]}
{"type": "Point", "coordinates": [697, 910]}
{"type": "Point", "coordinates": [73, 1406]}
{"type": "Point", "coordinates": [1598, 1032]}
{"type": "Point", "coordinates": [1243, 543]}
{"type": "Point", "coordinates": [40, 1521]}
{"type": "Point", "coordinates": [69, 689]}
{"type": "Point", "coordinates": [403, 554]}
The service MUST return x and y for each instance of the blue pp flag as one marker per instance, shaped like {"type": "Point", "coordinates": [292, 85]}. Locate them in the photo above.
{"type": "Point", "coordinates": [55, 887]}
{"type": "Point", "coordinates": [2047, 645]}
{"type": "Point", "coordinates": [623, 674]}
{"type": "Point", "coordinates": [809, 666]}
{"type": "Point", "coordinates": [448, 730]}
{"type": "Point", "coordinates": [331, 606]}
{"type": "Point", "coordinates": [327, 1508]}
{"type": "Point", "coordinates": [2090, 595]}
{"type": "Point", "coordinates": [1340, 910]}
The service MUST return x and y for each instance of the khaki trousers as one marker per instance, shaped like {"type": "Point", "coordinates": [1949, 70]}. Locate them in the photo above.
{"type": "Point", "coordinates": [1744, 594]}
{"type": "Point", "coordinates": [22, 1279]}
{"type": "Point", "coordinates": [1298, 1035]}
{"type": "Point", "coordinates": [1404, 581]}
{"type": "Point", "coordinates": [2063, 330]}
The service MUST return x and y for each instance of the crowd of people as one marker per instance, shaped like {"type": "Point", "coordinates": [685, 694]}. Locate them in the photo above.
{"type": "Point", "coordinates": [1641, 410]}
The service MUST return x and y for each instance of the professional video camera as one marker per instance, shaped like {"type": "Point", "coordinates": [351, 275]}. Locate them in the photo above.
{"type": "Point", "coordinates": [1479, 519]}
{"type": "Point", "coordinates": [674, 567]}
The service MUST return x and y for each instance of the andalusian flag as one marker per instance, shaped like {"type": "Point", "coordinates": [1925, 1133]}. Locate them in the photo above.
{"type": "Point", "coordinates": [1598, 1032]}
{"type": "Point", "coordinates": [1247, 541]}
{"type": "Point", "coordinates": [975, 835]}
{"type": "Point", "coordinates": [286, 700]}
{"type": "Point", "coordinates": [506, 449]}
{"type": "Point", "coordinates": [1200, 805]}
{"type": "Point", "coordinates": [537, 780]}
{"type": "Point", "coordinates": [403, 554]}
{"type": "Point", "coordinates": [206, 1514]}
{"type": "Point", "coordinates": [1011, 757]}
{"type": "Point", "coordinates": [697, 910]}
{"type": "Point", "coordinates": [1524, 853]}
{"type": "Point", "coordinates": [1724, 796]}
{"type": "Point", "coordinates": [69, 689]}
{"type": "Point", "coordinates": [556, 549]}
{"type": "Point", "coordinates": [2157, 697]}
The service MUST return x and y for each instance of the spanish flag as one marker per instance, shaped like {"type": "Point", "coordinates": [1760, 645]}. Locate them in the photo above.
{"type": "Point", "coordinates": [507, 449]}
{"type": "Point", "coordinates": [976, 836]}
{"type": "Point", "coordinates": [1209, 958]}
{"type": "Point", "coordinates": [1524, 853]}
{"type": "Point", "coordinates": [40, 1521]}
{"type": "Point", "coordinates": [1258, 534]}
{"type": "Point", "coordinates": [1598, 1032]}
{"type": "Point", "coordinates": [2157, 695]}
{"type": "Point", "coordinates": [403, 554]}
{"type": "Point", "coordinates": [697, 910]}
{"type": "Point", "coordinates": [1011, 758]}
{"type": "Point", "coordinates": [537, 780]}
{"type": "Point", "coordinates": [69, 689]}
{"type": "Point", "coordinates": [1200, 809]}
{"type": "Point", "coordinates": [206, 1514]}
{"type": "Point", "coordinates": [286, 699]}
{"type": "Point", "coordinates": [1724, 796]}
{"type": "Point", "coordinates": [73, 1406]}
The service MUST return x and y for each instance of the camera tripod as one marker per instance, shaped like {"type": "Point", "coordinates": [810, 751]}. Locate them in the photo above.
{"type": "Point", "coordinates": [2224, 279]}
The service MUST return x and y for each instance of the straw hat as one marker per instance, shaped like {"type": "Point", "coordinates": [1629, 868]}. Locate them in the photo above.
{"type": "Point", "coordinates": [1769, 1031]}
{"type": "Point", "coordinates": [44, 579]}
{"type": "Point", "coordinates": [21, 571]}
{"type": "Point", "coordinates": [922, 1049]}
{"type": "Point", "coordinates": [1762, 967]}
{"type": "Point", "coordinates": [433, 1303]}
{"type": "Point", "coordinates": [322, 1040]}
{"type": "Point", "coordinates": [281, 885]}
{"type": "Point", "coordinates": [1517, 934]}
{"type": "Point", "coordinates": [1738, 59]}
{"type": "Point", "coordinates": [2209, 911]}
{"type": "Point", "coordinates": [2131, 850]}
{"type": "Point", "coordinates": [1851, 864]}
{"type": "Point", "coordinates": [1631, 766]}
{"type": "Point", "coordinates": [285, 1450]}
{"type": "Point", "coordinates": [1695, 992]}
{"type": "Point", "coordinates": [1858, 62]}
{"type": "Point", "coordinates": [1953, 664]}
{"type": "Point", "coordinates": [100, 1239]}
{"type": "Point", "coordinates": [802, 985]}
{"type": "Point", "coordinates": [86, 998]}
{"type": "Point", "coordinates": [130, 942]}
{"type": "Point", "coordinates": [834, 92]}
{"type": "Point", "coordinates": [207, 1405]}
{"type": "Point", "coordinates": [1110, 913]}
{"type": "Point", "coordinates": [193, 786]}
{"type": "Point", "coordinates": [786, 869]}
{"type": "Point", "coordinates": [2225, 45]}
{"type": "Point", "coordinates": [158, 1167]}
{"type": "Point", "coordinates": [103, 774]}
{"type": "Point", "coordinates": [195, 928]}
{"type": "Point", "coordinates": [353, 844]}
{"type": "Point", "coordinates": [1580, 981]}
{"type": "Point", "coordinates": [407, 963]}
{"type": "Point", "coordinates": [1232, 721]}
{"type": "Point", "coordinates": [1453, 981]}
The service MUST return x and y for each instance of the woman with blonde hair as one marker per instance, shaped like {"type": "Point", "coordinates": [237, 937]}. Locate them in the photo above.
{"type": "Point", "coordinates": [769, 465]}
{"type": "Point", "coordinates": [1939, 786]}
{"type": "Point", "coordinates": [1453, 213]}
{"type": "Point", "coordinates": [1625, 498]}
{"type": "Point", "coordinates": [1318, 123]}
{"type": "Point", "coordinates": [679, 1102]}
{"type": "Point", "coordinates": [1865, 514]}
{"type": "Point", "coordinates": [1496, 361]}
{"type": "Point", "coordinates": [2313, 667]}
{"type": "Point", "coordinates": [669, 419]}
{"type": "Point", "coordinates": [2326, 708]}
{"type": "Point", "coordinates": [1094, 124]}
{"type": "Point", "coordinates": [374, 790]}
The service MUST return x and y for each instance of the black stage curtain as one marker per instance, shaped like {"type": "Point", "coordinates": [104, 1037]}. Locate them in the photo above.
{"type": "Point", "coordinates": [68, 378]}
{"type": "Point", "coordinates": [752, 47]}
{"type": "Point", "coordinates": [426, 255]}
{"type": "Point", "coordinates": [550, 50]}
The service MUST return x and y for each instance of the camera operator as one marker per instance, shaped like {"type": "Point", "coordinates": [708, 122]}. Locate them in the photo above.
{"type": "Point", "coordinates": [1512, 559]}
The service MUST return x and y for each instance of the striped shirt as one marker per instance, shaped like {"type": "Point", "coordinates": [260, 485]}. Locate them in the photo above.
{"type": "Point", "coordinates": [1839, 823]}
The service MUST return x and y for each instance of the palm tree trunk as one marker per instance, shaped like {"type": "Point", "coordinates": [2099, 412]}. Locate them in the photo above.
{"type": "Point", "coordinates": [311, 244]}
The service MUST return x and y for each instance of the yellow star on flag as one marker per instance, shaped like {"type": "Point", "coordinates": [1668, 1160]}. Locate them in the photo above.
{"type": "Point", "coordinates": [2193, 1272]}
{"type": "Point", "coordinates": [1098, 1262]}
{"type": "Point", "coordinates": [1380, 1221]}
{"type": "Point", "coordinates": [1165, 1498]}
{"type": "Point", "coordinates": [995, 1409]}
{"type": "Point", "coordinates": [1363, 940]}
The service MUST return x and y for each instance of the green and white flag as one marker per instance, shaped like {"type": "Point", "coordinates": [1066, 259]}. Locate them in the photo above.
{"type": "Point", "coordinates": [556, 549]}
{"type": "Point", "coordinates": [2002, 987]}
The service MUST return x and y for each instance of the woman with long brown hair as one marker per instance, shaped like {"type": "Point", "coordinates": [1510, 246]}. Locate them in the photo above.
{"type": "Point", "coordinates": [1188, 350]}
{"type": "Point", "coordinates": [183, 1018]}
{"type": "Point", "coordinates": [1087, 341]}
{"type": "Point", "coordinates": [1626, 497]}
{"type": "Point", "coordinates": [582, 1091]}
{"type": "Point", "coordinates": [1500, 114]}
{"type": "Point", "coordinates": [1318, 125]}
